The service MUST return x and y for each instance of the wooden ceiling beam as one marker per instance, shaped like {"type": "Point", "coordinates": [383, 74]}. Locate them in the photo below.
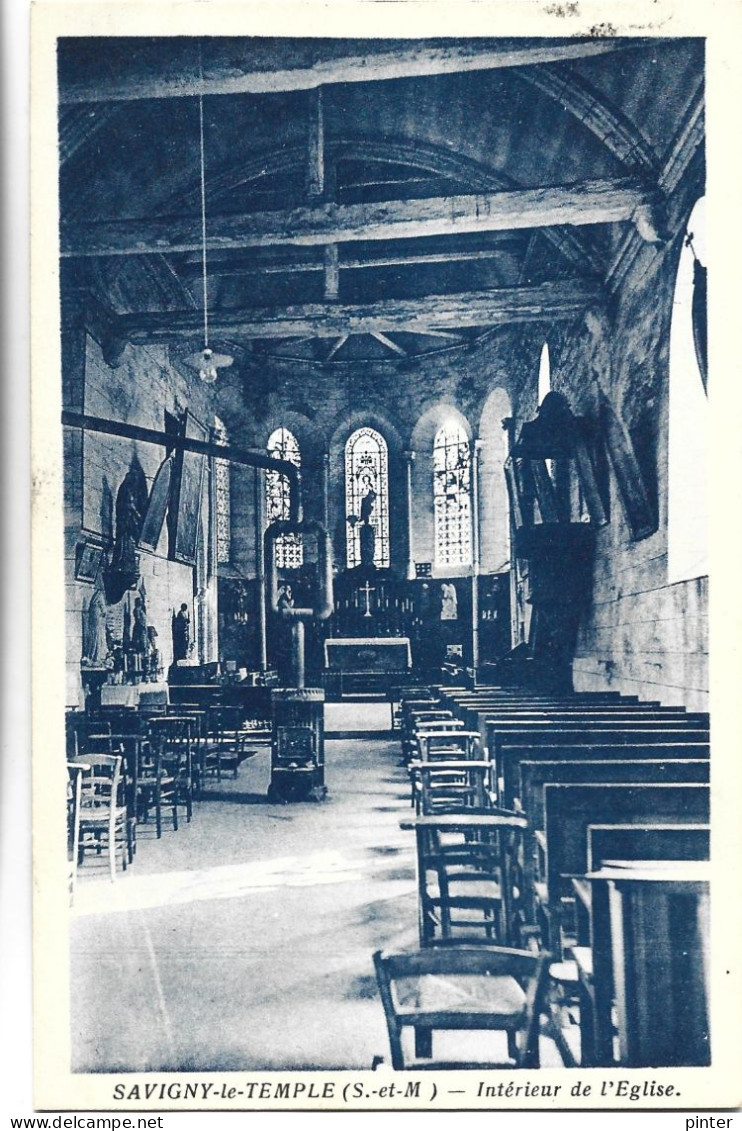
{"type": "Point", "coordinates": [348, 263]}
{"type": "Point", "coordinates": [338, 345]}
{"type": "Point", "coordinates": [590, 202]}
{"type": "Point", "coordinates": [439, 313]}
{"type": "Point", "coordinates": [227, 75]}
{"type": "Point", "coordinates": [390, 345]}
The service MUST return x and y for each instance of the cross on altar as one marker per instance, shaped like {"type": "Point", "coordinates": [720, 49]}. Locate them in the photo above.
{"type": "Point", "coordinates": [367, 590]}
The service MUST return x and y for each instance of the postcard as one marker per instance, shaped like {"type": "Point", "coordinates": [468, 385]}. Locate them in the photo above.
{"type": "Point", "coordinates": [385, 431]}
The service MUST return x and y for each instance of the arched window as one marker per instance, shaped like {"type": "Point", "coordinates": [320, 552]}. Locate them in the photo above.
{"type": "Point", "coordinates": [223, 508]}
{"type": "Point", "coordinates": [283, 444]}
{"type": "Point", "coordinates": [687, 534]}
{"type": "Point", "coordinates": [367, 494]}
{"type": "Point", "coordinates": [452, 496]}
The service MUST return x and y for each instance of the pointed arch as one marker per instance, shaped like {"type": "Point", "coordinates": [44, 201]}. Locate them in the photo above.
{"type": "Point", "coordinates": [222, 497]}
{"type": "Point", "coordinates": [367, 490]}
{"type": "Point", "coordinates": [283, 444]}
{"type": "Point", "coordinates": [452, 495]}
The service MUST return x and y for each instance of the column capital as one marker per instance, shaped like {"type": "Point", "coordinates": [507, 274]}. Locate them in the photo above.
{"type": "Point", "coordinates": [409, 455]}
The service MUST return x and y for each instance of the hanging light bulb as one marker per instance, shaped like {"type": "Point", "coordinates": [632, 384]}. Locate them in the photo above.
{"type": "Point", "coordinates": [206, 362]}
{"type": "Point", "coordinates": [207, 371]}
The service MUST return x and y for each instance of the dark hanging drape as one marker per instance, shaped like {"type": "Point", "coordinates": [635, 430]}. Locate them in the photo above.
{"type": "Point", "coordinates": [700, 324]}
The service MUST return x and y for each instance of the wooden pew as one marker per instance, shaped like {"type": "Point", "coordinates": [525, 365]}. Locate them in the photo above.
{"type": "Point", "coordinates": [646, 842]}
{"type": "Point", "coordinates": [507, 786]}
{"type": "Point", "coordinates": [570, 809]}
{"type": "Point", "coordinates": [650, 946]}
{"type": "Point", "coordinates": [495, 731]}
{"type": "Point", "coordinates": [511, 758]}
{"type": "Point", "coordinates": [490, 712]}
{"type": "Point", "coordinates": [522, 744]}
{"type": "Point", "coordinates": [476, 713]}
{"type": "Point", "coordinates": [609, 844]}
{"type": "Point", "coordinates": [535, 775]}
{"type": "Point", "coordinates": [519, 694]}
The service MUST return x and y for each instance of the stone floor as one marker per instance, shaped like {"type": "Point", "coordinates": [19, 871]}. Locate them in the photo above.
{"type": "Point", "coordinates": [244, 941]}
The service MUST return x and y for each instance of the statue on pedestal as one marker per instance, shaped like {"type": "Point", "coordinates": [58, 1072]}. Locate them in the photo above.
{"type": "Point", "coordinates": [97, 632]}
{"type": "Point", "coordinates": [449, 601]}
{"type": "Point", "coordinates": [154, 662]}
{"type": "Point", "coordinates": [181, 634]}
{"type": "Point", "coordinates": [139, 640]}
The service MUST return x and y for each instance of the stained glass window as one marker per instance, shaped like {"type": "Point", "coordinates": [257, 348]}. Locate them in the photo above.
{"type": "Point", "coordinates": [223, 512]}
{"type": "Point", "coordinates": [283, 445]}
{"type": "Point", "coordinates": [367, 495]}
{"type": "Point", "coordinates": [452, 496]}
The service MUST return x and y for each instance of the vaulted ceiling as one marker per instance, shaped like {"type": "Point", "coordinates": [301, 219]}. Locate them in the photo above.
{"type": "Point", "coordinates": [364, 199]}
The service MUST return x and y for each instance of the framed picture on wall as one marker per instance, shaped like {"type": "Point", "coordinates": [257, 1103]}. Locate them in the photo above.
{"type": "Point", "coordinates": [186, 496]}
{"type": "Point", "coordinates": [88, 560]}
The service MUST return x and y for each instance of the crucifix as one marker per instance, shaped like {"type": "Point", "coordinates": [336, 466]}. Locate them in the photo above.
{"type": "Point", "coordinates": [367, 590]}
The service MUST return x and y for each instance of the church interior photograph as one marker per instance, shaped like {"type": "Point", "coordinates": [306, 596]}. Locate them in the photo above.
{"type": "Point", "coordinates": [384, 424]}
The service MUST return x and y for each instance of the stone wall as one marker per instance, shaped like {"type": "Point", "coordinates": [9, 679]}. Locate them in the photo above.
{"type": "Point", "coordinates": [640, 634]}
{"type": "Point", "coordinates": [323, 405]}
{"type": "Point", "coordinates": [138, 391]}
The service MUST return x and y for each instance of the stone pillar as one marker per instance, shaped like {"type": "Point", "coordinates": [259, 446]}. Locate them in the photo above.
{"type": "Point", "coordinates": [260, 563]}
{"type": "Point", "coordinates": [409, 458]}
{"type": "Point", "coordinates": [212, 572]}
{"type": "Point", "coordinates": [516, 635]}
{"type": "Point", "coordinates": [476, 448]}
{"type": "Point", "coordinates": [326, 491]}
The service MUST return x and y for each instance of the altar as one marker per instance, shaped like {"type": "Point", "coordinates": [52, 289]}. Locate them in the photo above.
{"type": "Point", "coordinates": [134, 695]}
{"type": "Point", "coordinates": [357, 665]}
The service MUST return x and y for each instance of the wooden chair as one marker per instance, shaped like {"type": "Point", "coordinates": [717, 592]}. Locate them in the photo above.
{"type": "Point", "coordinates": [206, 759]}
{"type": "Point", "coordinates": [157, 787]}
{"type": "Point", "coordinates": [228, 739]}
{"type": "Point", "coordinates": [452, 785]}
{"type": "Point", "coordinates": [469, 868]}
{"type": "Point", "coordinates": [172, 739]}
{"type": "Point", "coordinates": [462, 988]}
{"type": "Point", "coordinates": [90, 734]}
{"type": "Point", "coordinates": [102, 814]}
{"type": "Point", "coordinates": [128, 746]}
{"type": "Point", "coordinates": [75, 771]}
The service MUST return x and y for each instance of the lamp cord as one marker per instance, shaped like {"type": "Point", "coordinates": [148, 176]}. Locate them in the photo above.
{"type": "Point", "coordinates": [203, 196]}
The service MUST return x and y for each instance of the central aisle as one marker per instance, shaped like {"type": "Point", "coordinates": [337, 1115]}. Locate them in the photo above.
{"type": "Point", "coordinates": [244, 941]}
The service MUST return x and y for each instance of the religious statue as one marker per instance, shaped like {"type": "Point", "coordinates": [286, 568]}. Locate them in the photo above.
{"type": "Point", "coordinates": [181, 634]}
{"type": "Point", "coordinates": [139, 640]}
{"type": "Point", "coordinates": [97, 634]}
{"type": "Point", "coordinates": [153, 664]}
{"type": "Point", "coordinates": [449, 601]}
{"type": "Point", "coordinates": [131, 503]}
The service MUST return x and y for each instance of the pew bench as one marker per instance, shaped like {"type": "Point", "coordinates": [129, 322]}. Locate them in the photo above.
{"type": "Point", "coordinates": [650, 957]}
{"type": "Point", "coordinates": [570, 809]}
{"type": "Point", "coordinates": [511, 758]}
